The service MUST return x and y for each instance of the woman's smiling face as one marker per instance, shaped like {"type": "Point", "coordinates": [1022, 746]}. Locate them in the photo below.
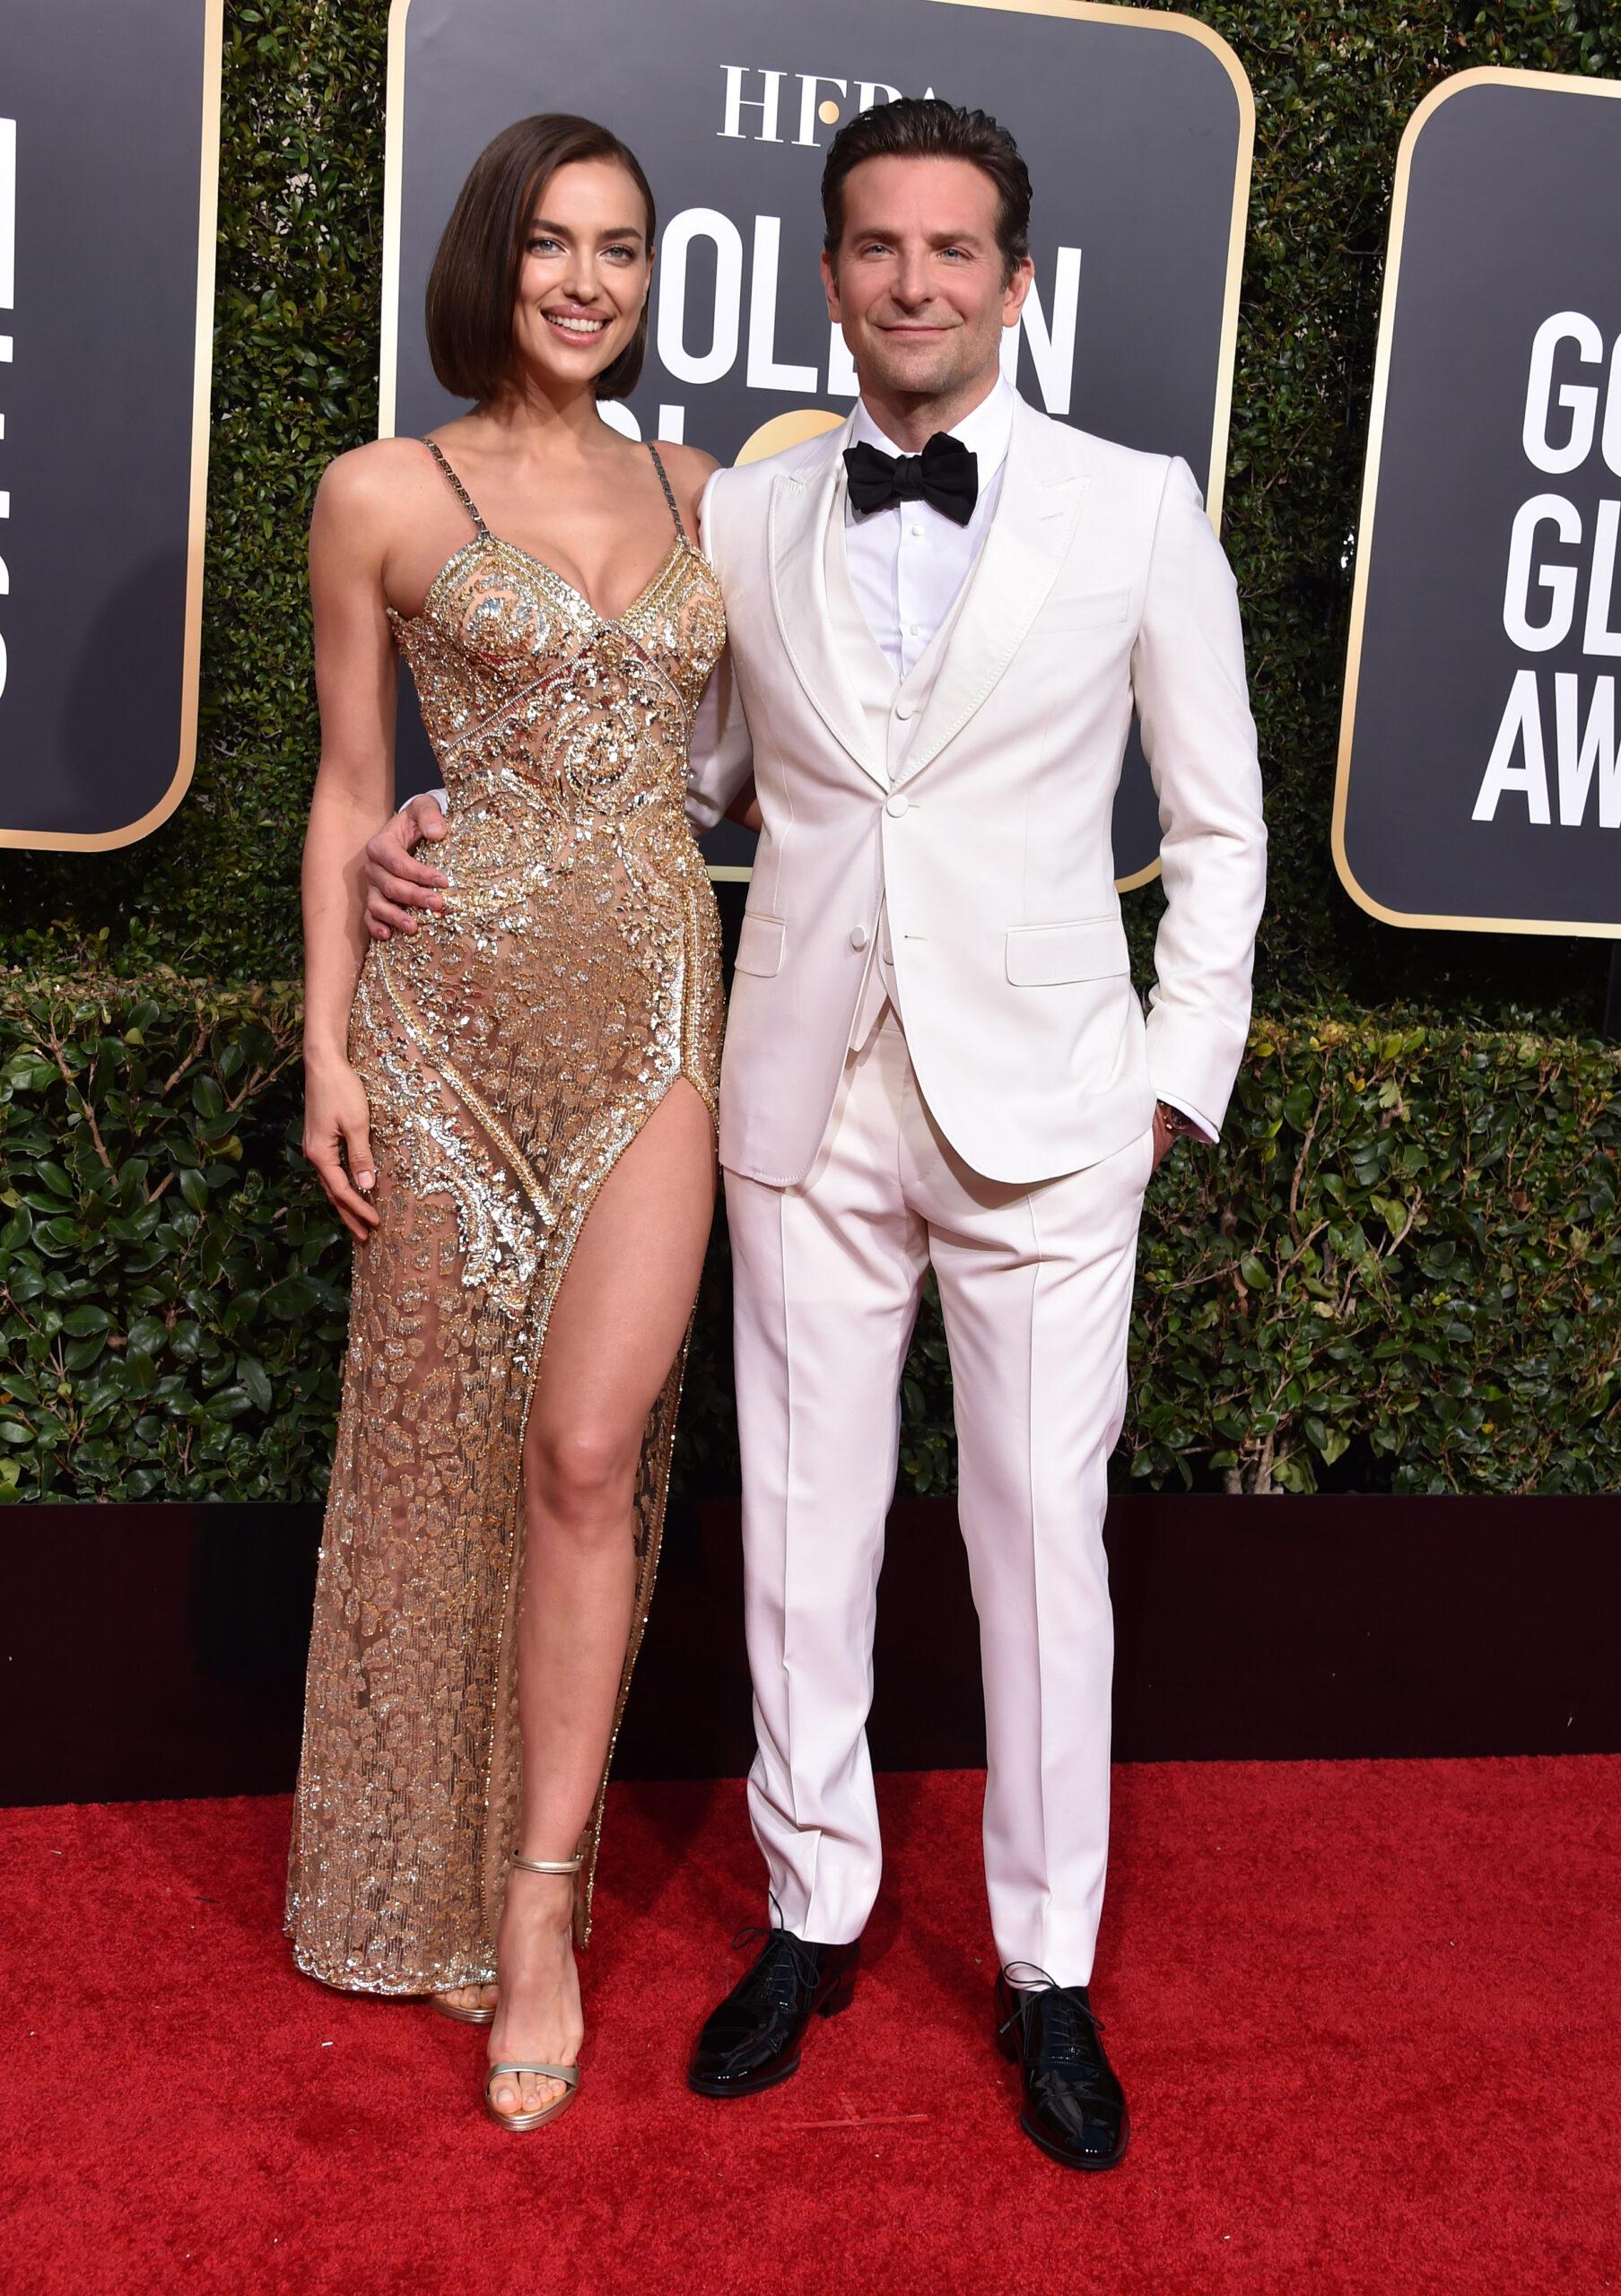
{"type": "Point", "coordinates": [585, 270]}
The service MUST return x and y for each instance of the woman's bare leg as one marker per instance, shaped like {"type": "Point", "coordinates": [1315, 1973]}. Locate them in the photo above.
{"type": "Point", "coordinates": [616, 1324]}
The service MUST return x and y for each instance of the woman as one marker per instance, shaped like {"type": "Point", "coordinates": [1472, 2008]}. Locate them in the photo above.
{"type": "Point", "coordinates": [515, 1120]}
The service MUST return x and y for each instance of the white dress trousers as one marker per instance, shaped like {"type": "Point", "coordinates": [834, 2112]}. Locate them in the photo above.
{"type": "Point", "coordinates": [1035, 1284]}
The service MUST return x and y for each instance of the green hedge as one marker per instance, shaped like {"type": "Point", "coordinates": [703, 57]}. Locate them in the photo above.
{"type": "Point", "coordinates": [173, 1301]}
{"type": "Point", "coordinates": [1401, 1270]}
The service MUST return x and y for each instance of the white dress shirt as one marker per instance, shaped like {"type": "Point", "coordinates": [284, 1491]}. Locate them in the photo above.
{"type": "Point", "coordinates": [908, 563]}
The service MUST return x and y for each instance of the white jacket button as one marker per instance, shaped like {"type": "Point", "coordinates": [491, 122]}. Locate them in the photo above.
{"type": "Point", "coordinates": [897, 805]}
{"type": "Point", "coordinates": [905, 709]}
{"type": "Point", "coordinates": [859, 937]}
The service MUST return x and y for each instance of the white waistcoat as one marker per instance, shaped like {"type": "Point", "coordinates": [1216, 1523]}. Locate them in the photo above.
{"type": "Point", "coordinates": [895, 709]}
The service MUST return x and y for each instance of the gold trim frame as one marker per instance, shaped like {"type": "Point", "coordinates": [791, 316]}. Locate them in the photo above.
{"type": "Point", "coordinates": [191, 650]}
{"type": "Point", "coordinates": [1479, 75]}
{"type": "Point", "coordinates": [1076, 10]}
{"type": "Point", "coordinates": [1158, 20]}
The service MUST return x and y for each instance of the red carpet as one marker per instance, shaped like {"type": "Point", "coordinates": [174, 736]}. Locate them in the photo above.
{"type": "Point", "coordinates": [1369, 2015]}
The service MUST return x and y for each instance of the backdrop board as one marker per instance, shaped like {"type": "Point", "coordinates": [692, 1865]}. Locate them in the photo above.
{"type": "Point", "coordinates": [1137, 127]}
{"type": "Point", "coordinates": [1479, 785]}
{"type": "Point", "coordinates": [108, 151]}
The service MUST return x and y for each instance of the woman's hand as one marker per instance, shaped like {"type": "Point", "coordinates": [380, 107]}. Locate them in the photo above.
{"type": "Point", "coordinates": [338, 1140]}
{"type": "Point", "coordinates": [396, 885]}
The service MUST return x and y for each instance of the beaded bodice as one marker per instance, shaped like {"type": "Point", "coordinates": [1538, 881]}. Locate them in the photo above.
{"type": "Point", "coordinates": [539, 709]}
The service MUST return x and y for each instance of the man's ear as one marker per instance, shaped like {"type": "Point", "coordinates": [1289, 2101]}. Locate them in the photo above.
{"type": "Point", "coordinates": [830, 283]}
{"type": "Point", "coordinates": [1021, 280]}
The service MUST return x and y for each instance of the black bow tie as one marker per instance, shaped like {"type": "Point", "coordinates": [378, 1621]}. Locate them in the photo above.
{"type": "Point", "coordinates": [945, 476]}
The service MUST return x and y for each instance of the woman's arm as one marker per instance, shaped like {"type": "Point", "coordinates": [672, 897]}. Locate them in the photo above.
{"type": "Point", "coordinates": [744, 808]}
{"type": "Point", "coordinates": [354, 682]}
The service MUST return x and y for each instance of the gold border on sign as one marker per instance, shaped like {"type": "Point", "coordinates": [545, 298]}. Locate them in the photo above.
{"type": "Point", "coordinates": [191, 651]}
{"type": "Point", "coordinates": [1076, 10]}
{"type": "Point", "coordinates": [1479, 75]}
{"type": "Point", "coordinates": [393, 164]}
{"type": "Point", "coordinates": [1189, 28]}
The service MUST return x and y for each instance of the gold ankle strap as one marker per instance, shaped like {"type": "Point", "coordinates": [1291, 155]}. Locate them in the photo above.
{"type": "Point", "coordinates": [551, 1864]}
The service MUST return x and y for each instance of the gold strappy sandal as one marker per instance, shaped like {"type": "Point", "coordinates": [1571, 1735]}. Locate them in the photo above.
{"type": "Point", "coordinates": [569, 2075]}
{"type": "Point", "coordinates": [479, 2015]}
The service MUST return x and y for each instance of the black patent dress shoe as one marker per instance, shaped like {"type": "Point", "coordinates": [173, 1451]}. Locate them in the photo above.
{"type": "Point", "coordinates": [1074, 2107]}
{"type": "Point", "coordinates": [752, 2041]}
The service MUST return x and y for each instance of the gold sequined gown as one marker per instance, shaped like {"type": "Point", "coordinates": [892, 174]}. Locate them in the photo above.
{"type": "Point", "coordinates": [511, 1049]}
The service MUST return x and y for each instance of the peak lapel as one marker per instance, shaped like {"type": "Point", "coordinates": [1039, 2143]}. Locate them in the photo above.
{"type": "Point", "coordinates": [1043, 493]}
{"type": "Point", "coordinates": [802, 501]}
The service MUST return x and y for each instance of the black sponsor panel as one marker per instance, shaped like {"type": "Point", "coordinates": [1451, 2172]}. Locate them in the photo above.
{"type": "Point", "coordinates": [1479, 777]}
{"type": "Point", "coordinates": [109, 139]}
{"type": "Point", "coordinates": [1137, 129]}
{"type": "Point", "coordinates": [1303, 1627]}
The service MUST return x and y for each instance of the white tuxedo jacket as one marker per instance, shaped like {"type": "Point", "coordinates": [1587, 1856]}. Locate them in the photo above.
{"type": "Point", "coordinates": [1100, 584]}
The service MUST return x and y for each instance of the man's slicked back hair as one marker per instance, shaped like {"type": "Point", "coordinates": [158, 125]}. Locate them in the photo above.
{"type": "Point", "coordinates": [923, 127]}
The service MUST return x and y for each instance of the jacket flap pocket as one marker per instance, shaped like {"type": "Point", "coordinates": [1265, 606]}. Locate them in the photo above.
{"type": "Point", "coordinates": [759, 946]}
{"type": "Point", "coordinates": [1094, 950]}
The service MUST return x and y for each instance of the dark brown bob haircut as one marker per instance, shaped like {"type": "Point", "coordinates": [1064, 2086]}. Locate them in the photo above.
{"type": "Point", "coordinates": [473, 285]}
{"type": "Point", "coordinates": [922, 128]}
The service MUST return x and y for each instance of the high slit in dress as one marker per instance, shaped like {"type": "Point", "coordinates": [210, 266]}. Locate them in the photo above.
{"type": "Point", "coordinates": [511, 1049]}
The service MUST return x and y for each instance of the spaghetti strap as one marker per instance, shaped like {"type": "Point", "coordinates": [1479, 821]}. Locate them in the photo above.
{"type": "Point", "coordinates": [669, 493]}
{"type": "Point", "coordinates": [461, 493]}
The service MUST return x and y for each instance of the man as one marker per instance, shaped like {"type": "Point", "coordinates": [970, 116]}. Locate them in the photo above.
{"type": "Point", "coordinates": [940, 618]}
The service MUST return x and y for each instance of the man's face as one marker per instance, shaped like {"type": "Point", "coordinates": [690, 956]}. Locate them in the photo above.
{"type": "Point", "coordinates": [918, 284]}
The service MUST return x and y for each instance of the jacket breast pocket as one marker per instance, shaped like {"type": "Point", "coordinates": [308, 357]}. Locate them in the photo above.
{"type": "Point", "coordinates": [759, 946]}
{"type": "Point", "coordinates": [1042, 956]}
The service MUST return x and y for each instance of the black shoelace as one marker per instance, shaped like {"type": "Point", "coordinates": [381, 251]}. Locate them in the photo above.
{"type": "Point", "coordinates": [787, 1969]}
{"type": "Point", "coordinates": [1070, 2029]}
{"type": "Point", "coordinates": [1064, 2018]}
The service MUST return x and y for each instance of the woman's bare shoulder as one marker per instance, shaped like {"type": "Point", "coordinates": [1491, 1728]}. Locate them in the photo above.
{"type": "Point", "coordinates": [372, 480]}
{"type": "Point", "coordinates": [690, 463]}
{"type": "Point", "coordinates": [690, 472]}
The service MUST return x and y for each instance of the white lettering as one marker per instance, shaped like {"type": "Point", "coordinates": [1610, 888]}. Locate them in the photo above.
{"type": "Point", "coordinates": [1579, 750]}
{"type": "Point", "coordinates": [1612, 412]}
{"type": "Point", "coordinates": [766, 371]}
{"type": "Point", "coordinates": [1522, 725]}
{"type": "Point", "coordinates": [618, 417]}
{"type": "Point", "coordinates": [868, 92]}
{"type": "Point", "coordinates": [840, 367]}
{"type": "Point", "coordinates": [1052, 353]}
{"type": "Point", "coordinates": [809, 85]}
{"type": "Point", "coordinates": [737, 104]}
{"type": "Point", "coordinates": [8, 213]}
{"type": "Point", "coordinates": [708, 366]}
{"type": "Point", "coordinates": [1579, 399]}
{"type": "Point", "coordinates": [1558, 581]}
{"type": "Point", "coordinates": [1597, 635]}
{"type": "Point", "coordinates": [672, 424]}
